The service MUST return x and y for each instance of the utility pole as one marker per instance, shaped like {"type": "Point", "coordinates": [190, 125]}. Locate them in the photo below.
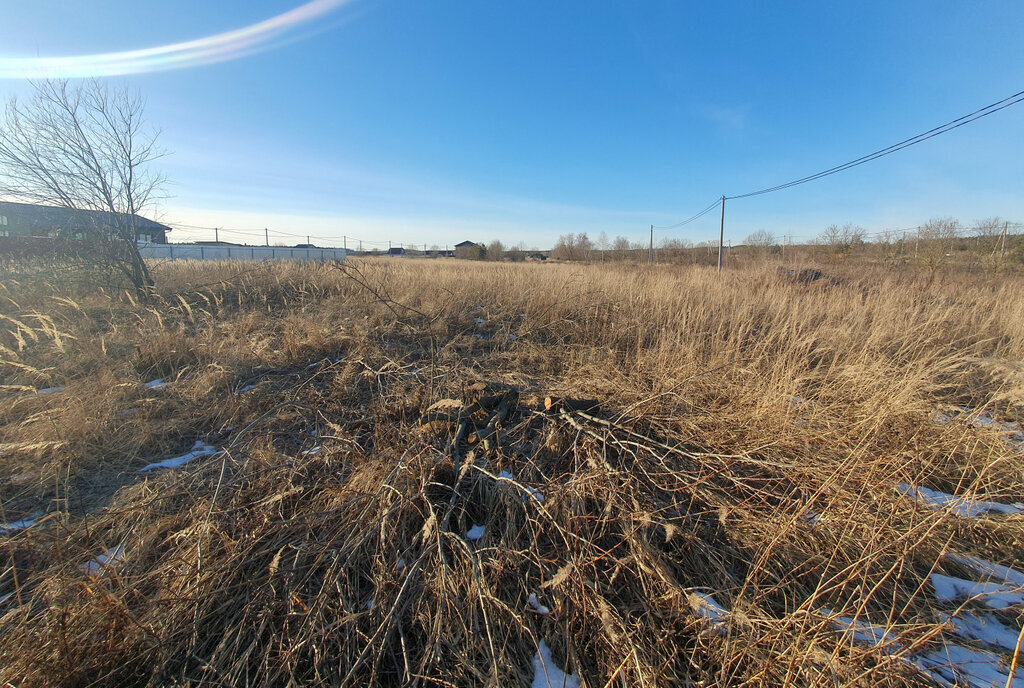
{"type": "Point", "coordinates": [360, 245]}
{"type": "Point", "coordinates": [344, 242]}
{"type": "Point", "coordinates": [730, 249]}
{"type": "Point", "coordinates": [266, 233]}
{"type": "Point", "coordinates": [307, 238]}
{"type": "Point", "coordinates": [1002, 251]}
{"type": "Point", "coordinates": [216, 235]}
{"type": "Point", "coordinates": [903, 243]}
{"type": "Point", "coordinates": [721, 235]}
{"type": "Point", "coordinates": [650, 251]}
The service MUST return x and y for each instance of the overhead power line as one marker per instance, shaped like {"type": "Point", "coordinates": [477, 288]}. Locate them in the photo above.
{"type": "Point", "coordinates": [889, 150]}
{"type": "Point", "coordinates": [690, 219]}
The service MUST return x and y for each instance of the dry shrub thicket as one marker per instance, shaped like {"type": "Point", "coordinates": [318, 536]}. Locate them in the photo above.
{"type": "Point", "coordinates": [747, 436]}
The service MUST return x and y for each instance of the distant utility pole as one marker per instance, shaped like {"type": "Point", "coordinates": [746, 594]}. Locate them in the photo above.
{"type": "Point", "coordinates": [216, 235]}
{"type": "Point", "coordinates": [307, 238]}
{"type": "Point", "coordinates": [360, 245]}
{"type": "Point", "coordinates": [650, 251]}
{"type": "Point", "coordinates": [721, 235]}
{"type": "Point", "coordinates": [266, 233]}
{"type": "Point", "coordinates": [344, 242]}
{"type": "Point", "coordinates": [1002, 251]}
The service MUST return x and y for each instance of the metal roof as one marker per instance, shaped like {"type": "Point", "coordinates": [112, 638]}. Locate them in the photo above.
{"type": "Point", "coordinates": [53, 217]}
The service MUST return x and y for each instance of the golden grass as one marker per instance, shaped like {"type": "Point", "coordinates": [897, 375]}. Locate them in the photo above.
{"type": "Point", "coordinates": [732, 409]}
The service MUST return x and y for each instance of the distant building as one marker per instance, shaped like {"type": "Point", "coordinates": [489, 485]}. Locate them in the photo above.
{"type": "Point", "coordinates": [28, 220]}
{"type": "Point", "coordinates": [465, 244]}
{"type": "Point", "coordinates": [396, 251]}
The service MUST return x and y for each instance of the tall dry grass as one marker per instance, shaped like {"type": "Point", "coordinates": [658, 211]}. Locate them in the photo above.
{"type": "Point", "coordinates": [749, 433]}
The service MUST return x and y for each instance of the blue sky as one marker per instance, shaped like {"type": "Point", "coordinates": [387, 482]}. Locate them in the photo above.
{"type": "Point", "coordinates": [432, 122]}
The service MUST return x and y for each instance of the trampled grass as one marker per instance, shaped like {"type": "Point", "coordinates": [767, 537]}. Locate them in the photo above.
{"type": "Point", "coordinates": [729, 485]}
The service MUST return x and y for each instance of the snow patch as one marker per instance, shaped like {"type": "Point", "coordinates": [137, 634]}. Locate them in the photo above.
{"type": "Point", "coordinates": [996, 572]}
{"type": "Point", "coordinates": [314, 451]}
{"type": "Point", "coordinates": [958, 665]}
{"type": "Point", "coordinates": [475, 533]}
{"type": "Point", "coordinates": [198, 449]}
{"type": "Point", "coordinates": [49, 390]}
{"type": "Point", "coordinates": [156, 384]}
{"type": "Point", "coordinates": [547, 675]}
{"type": "Point", "coordinates": [707, 607]}
{"type": "Point", "coordinates": [15, 526]}
{"type": "Point", "coordinates": [537, 606]}
{"type": "Point", "coordinates": [1011, 431]}
{"type": "Point", "coordinates": [862, 631]}
{"type": "Point", "coordinates": [100, 563]}
{"type": "Point", "coordinates": [993, 595]}
{"type": "Point", "coordinates": [245, 389]}
{"type": "Point", "coordinates": [961, 506]}
{"type": "Point", "coordinates": [984, 627]}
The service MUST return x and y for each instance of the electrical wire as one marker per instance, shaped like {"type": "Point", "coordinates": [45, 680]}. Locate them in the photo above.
{"type": "Point", "coordinates": [889, 150]}
{"type": "Point", "coordinates": [693, 217]}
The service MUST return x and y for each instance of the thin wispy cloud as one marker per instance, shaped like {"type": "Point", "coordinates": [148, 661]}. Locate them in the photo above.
{"type": "Point", "coordinates": [221, 47]}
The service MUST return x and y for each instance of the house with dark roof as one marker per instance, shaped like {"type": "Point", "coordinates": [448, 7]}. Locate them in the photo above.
{"type": "Point", "coordinates": [464, 244]}
{"type": "Point", "coordinates": [29, 220]}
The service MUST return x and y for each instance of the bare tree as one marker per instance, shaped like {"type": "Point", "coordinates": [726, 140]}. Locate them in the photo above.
{"type": "Point", "coordinates": [840, 242]}
{"type": "Point", "coordinates": [85, 147]}
{"type": "Point", "coordinates": [936, 239]}
{"type": "Point", "coordinates": [495, 251]}
{"type": "Point", "coordinates": [621, 247]}
{"type": "Point", "coordinates": [760, 242]}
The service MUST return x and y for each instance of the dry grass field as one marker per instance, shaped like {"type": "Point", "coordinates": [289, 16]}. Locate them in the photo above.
{"type": "Point", "coordinates": [736, 480]}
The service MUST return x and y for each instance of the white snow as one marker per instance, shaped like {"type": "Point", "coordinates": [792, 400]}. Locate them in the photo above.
{"type": "Point", "coordinates": [49, 390]}
{"type": "Point", "coordinates": [198, 449]}
{"type": "Point", "coordinates": [246, 389]}
{"type": "Point", "coordinates": [100, 563]}
{"type": "Point", "coordinates": [862, 631]}
{"type": "Point", "coordinates": [155, 384]}
{"type": "Point", "coordinates": [706, 606]}
{"type": "Point", "coordinates": [313, 452]}
{"type": "Point", "coordinates": [537, 606]}
{"type": "Point", "coordinates": [547, 675]}
{"type": "Point", "coordinates": [475, 533]}
{"type": "Point", "coordinates": [993, 595]}
{"type": "Point", "coordinates": [961, 506]}
{"type": "Point", "coordinates": [984, 627]}
{"type": "Point", "coordinates": [1012, 431]}
{"type": "Point", "coordinates": [995, 572]}
{"type": "Point", "coordinates": [957, 665]}
{"type": "Point", "coordinates": [15, 526]}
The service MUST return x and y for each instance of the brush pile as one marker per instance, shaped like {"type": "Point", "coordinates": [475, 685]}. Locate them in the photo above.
{"type": "Point", "coordinates": [514, 497]}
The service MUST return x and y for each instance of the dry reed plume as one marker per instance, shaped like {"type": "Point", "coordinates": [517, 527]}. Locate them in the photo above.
{"type": "Point", "coordinates": [743, 438]}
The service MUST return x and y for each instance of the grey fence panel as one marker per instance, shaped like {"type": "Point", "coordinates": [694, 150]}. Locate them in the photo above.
{"type": "Point", "coordinates": [194, 252]}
